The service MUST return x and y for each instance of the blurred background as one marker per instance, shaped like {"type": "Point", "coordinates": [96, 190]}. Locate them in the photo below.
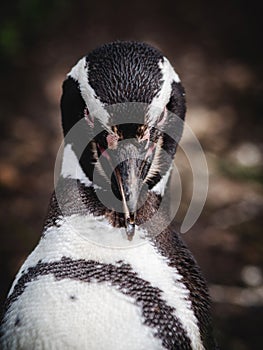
{"type": "Point", "coordinates": [216, 48]}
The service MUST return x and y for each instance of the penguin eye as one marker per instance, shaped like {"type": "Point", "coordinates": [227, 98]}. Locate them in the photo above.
{"type": "Point", "coordinates": [89, 118]}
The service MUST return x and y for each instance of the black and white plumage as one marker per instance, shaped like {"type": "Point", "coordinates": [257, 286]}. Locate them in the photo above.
{"type": "Point", "coordinates": [72, 293]}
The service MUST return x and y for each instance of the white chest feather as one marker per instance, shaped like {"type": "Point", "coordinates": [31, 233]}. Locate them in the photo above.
{"type": "Point", "coordinates": [72, 314]}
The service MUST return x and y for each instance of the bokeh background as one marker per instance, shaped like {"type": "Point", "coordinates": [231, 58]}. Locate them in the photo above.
{"type": "Point", "coordinates": [216, 48]}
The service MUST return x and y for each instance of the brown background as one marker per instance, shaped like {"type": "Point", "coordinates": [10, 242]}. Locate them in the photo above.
{"type": "Point", "coordinates": [216, 48]}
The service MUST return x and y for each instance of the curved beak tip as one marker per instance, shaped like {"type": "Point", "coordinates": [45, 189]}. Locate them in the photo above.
{"type": "Point", "coordinates": [130, 230]}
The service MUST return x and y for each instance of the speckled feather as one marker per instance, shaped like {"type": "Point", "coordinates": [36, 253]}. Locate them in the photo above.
{"type": "Point", "coordinates": [156, 313]}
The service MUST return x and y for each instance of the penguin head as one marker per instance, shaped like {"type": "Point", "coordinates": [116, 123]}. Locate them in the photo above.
{"type": "Point", "coordinates": [130, 105]}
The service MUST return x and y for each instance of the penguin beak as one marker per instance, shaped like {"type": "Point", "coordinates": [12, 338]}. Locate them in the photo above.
{"type": "Point", "coordinates": [128, 177]}
{"type": "Point", "coordinates": [126, 186]}
{"type": "Point", "coordinates": [129, 184]}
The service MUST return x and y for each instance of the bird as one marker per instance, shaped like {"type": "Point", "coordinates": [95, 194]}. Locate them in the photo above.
{"type": "Point", "coordinates": [110, 272]}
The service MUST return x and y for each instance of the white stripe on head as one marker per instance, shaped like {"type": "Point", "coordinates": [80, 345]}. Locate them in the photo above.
{"type": "Point", "coordinates": [71, 168]}
{"type": "Point", "coordinates": [163, 96]}
{"type": "Point", "coordinates": [80, 73]}
{"type": "Point", "coordinates": [160, 187]}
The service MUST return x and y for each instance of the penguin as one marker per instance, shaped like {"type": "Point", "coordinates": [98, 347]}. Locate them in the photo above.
{"type": "Point", "coordinates": [110, 272]}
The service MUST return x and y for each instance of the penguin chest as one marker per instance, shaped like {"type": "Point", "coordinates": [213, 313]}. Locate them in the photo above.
{"type": "Point", "coordinates": [68, 314]}
{"type": "Point", "coordinates": [73, 294]}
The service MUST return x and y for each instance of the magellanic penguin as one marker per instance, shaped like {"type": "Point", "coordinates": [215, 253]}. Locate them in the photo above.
{"type": "Point", "coordinates": [106, 275]}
